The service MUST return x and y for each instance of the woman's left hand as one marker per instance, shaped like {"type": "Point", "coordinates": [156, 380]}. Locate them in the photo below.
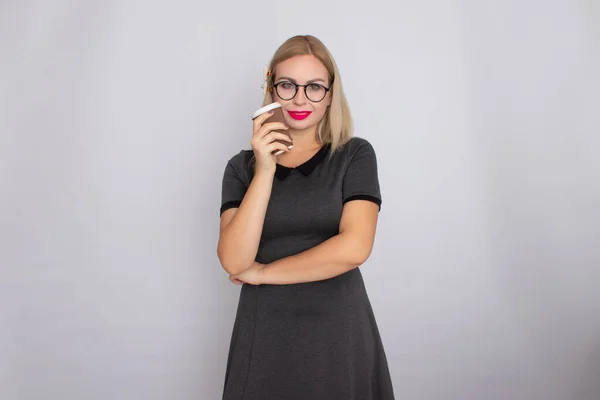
{"type": "Point", "coordinates": [252, 276]}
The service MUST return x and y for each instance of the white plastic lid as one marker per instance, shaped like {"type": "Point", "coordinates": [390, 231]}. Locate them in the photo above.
{"type": "Point", "coordinates": [265, 109]}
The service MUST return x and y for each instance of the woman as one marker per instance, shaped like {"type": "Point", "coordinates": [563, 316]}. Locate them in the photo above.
{"type": "Point", "coordinates": [294, 230]}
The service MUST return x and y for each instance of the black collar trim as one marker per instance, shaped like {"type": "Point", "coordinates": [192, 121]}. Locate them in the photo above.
{"type": "Point", "coordinates": [307, 168]}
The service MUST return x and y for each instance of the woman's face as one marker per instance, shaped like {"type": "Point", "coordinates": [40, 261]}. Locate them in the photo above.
{"type": "Point", "coordinates": [302, 112]}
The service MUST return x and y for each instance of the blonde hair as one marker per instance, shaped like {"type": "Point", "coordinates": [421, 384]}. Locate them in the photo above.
{"type": "Point", "coordinates": [336, 126]}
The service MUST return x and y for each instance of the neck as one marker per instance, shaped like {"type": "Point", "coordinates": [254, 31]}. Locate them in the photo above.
{"type": "Point", "coordinates": [304, 139]}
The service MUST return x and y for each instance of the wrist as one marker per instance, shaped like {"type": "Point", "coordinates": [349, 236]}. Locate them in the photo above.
{"type": "Point", "coordinates": [264, 173]}
{"type": "Point", "coordinates": [262, 272]}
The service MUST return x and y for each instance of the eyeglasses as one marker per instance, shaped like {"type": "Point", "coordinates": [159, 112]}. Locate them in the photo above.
{"type": "Point", "coordinates": [314, 92]}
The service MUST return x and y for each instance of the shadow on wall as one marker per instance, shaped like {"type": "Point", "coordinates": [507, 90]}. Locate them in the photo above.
{"type": "Point", "coordinates": [588, 386]}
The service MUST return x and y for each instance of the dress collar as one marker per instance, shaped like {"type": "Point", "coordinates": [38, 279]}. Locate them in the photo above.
{"type": "Point", "coordinates": [307, 168]}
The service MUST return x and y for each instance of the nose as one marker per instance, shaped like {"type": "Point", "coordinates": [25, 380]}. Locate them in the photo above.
{"type": "Point", "coordinates": [300, 97]}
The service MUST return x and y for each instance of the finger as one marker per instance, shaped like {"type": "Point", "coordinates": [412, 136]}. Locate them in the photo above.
{"type": "Point", "coordinates": [275, 136]}
{"type": "Point", "coordinates": [275, 146]}
{"type": "Point", "coordinates": [271, 126]}
{"type": "Point", "coordinates": [258, 121]}
{"type": "Point", "coordinates": [282, 136]}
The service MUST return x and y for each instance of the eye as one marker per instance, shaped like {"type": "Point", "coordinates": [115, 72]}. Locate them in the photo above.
{"type": "Point", "coordinates": [314, 87]}
{"type": "Point", "coordinates": [286, 85]}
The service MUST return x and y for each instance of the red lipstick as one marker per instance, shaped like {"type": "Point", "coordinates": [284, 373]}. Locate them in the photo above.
{"type": "Point", "coordinates": [299, 115]}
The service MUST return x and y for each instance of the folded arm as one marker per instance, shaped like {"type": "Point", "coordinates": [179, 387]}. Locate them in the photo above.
{"type": "Point", "coordinates": [347, 250]}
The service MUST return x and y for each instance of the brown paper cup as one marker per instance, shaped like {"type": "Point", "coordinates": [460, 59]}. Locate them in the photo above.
{"type": "Point", "coordinates": [276, 117]}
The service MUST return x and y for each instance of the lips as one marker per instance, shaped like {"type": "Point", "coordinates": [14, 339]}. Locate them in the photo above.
{"type": "Point", "coordinates": [299, 115]}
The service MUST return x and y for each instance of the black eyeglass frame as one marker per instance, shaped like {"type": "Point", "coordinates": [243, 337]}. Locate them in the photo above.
{"type": "Point", "coordinates": [327, 89]}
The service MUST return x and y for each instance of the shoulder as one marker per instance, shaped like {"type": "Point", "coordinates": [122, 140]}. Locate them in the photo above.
{"type": "Point", "coordinates": [358, 141]}
{"type": "Point", "coordinates": [239, 167]}
{"type": "Point", "coordinates": [240, 161]}
{"type": "Point", "coordinates": [357, 146]}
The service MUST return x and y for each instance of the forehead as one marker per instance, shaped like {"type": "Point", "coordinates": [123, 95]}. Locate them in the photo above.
{"type": "Point", "coordinates": [302, 68]}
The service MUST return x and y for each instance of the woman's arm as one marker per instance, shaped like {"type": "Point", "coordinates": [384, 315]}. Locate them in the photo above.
{"type": "Point", "coordinates": [347, 250]}
{"type": "Point", "coordinates": [350, 248]}
{"type": "Point", "coordinates": [241, 228]}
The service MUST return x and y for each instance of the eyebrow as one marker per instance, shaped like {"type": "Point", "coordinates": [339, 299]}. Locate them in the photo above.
{"type": "Point", "coordinates": [293, 80]}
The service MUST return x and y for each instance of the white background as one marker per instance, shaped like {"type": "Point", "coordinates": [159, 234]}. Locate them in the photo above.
{"type": "Point", "coordinates": [117, 118]}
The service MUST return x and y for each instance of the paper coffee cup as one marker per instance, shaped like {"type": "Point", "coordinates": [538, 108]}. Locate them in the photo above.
{"type": "Point", "coordinates": [276, 117]}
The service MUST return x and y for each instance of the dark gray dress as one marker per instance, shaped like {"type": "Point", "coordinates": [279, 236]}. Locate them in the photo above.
{"type": "Point", "coordinates": [316, 340]}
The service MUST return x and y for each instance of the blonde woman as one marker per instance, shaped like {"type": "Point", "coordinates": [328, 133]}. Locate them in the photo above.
{"type": "Point", "coordinates": [294, 230]}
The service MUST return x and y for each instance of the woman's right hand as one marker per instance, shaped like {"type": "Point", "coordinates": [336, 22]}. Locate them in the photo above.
{"type": "Point", "coordinates": [264, 143]}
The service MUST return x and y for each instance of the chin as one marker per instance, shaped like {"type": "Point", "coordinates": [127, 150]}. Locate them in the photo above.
{"type": "Point", "coordinates": [302, 125]}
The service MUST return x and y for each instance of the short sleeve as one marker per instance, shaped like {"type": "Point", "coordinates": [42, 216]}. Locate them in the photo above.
{"type": "Point", "coordinates": [361, 181]}
{"type": "Point", "coordinates": [233, 187]}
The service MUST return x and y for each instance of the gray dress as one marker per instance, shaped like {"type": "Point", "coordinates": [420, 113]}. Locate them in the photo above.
{"type": "Point", "coordinates": [316, 340]}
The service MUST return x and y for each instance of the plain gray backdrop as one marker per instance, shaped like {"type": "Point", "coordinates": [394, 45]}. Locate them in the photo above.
{"type": "Point", "coordinates": [117, 118]}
